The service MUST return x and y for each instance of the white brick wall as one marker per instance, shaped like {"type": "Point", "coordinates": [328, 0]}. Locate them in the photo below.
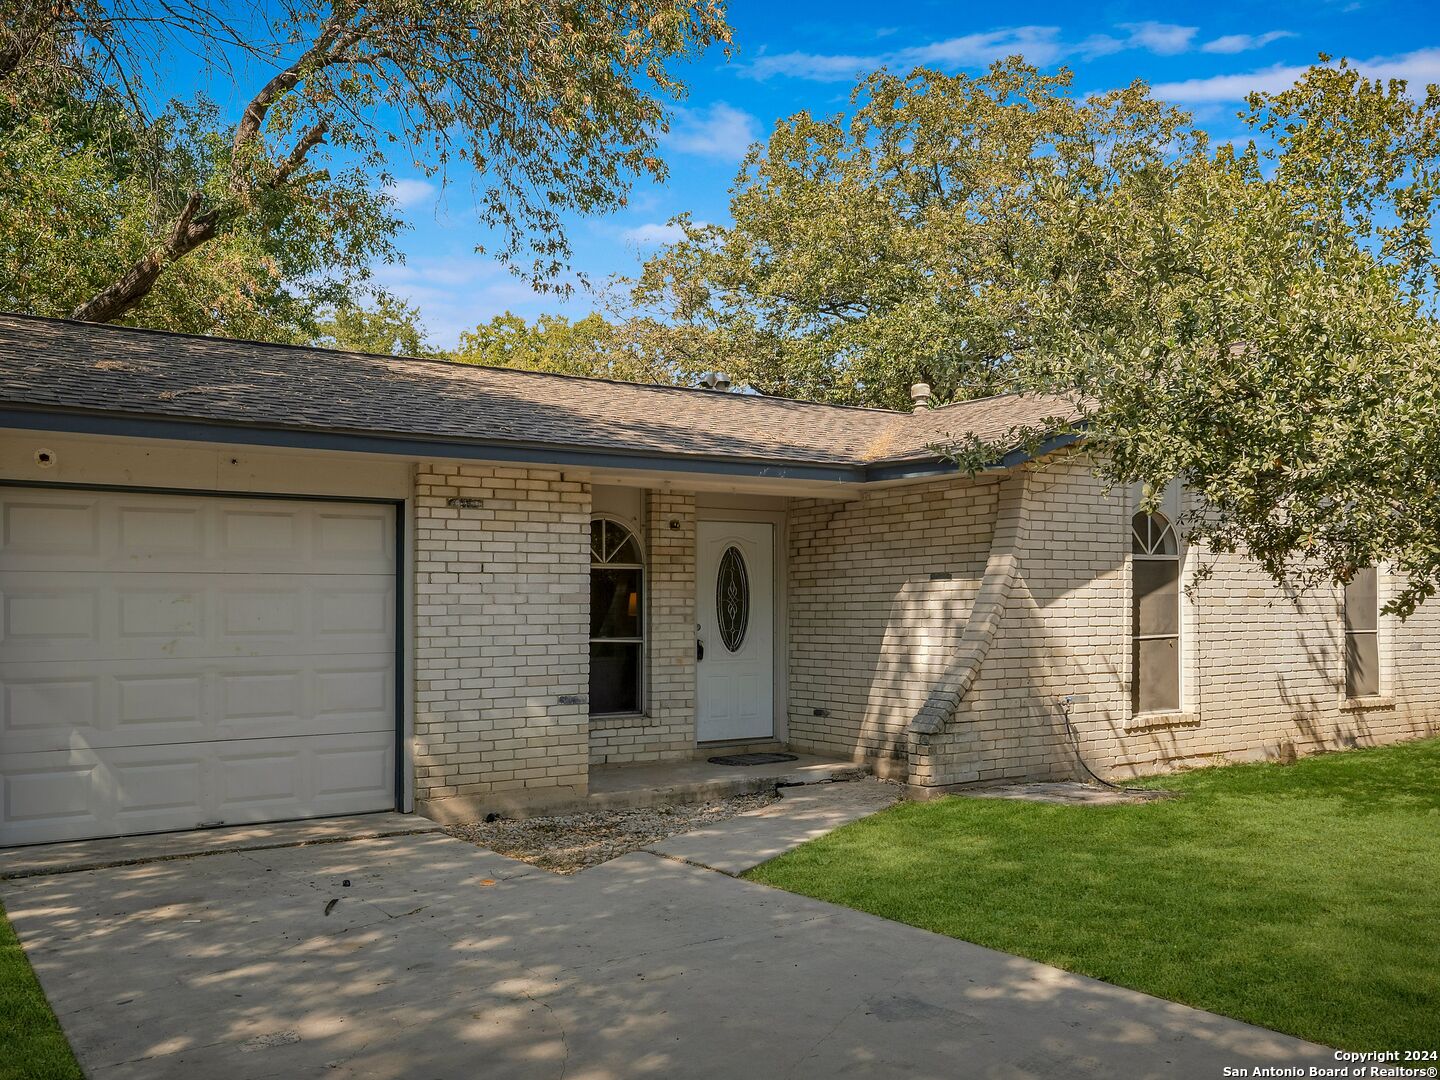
{"type": "Point", "coordinates": [870, 629]}
{"type": "Point", "coordinates": [1263, 671]}
{"type": "Point", "coordinates": [502, 594]}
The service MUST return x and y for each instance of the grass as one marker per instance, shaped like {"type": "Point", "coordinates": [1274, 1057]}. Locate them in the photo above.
{"type": "Point", "coordinates": [1304, 898]}
{"type": "Point", "coordinates": [32, 1045]}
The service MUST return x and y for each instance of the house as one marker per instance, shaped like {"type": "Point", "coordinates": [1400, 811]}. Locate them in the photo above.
{"type": "Point", "coordinates": [247, 582]}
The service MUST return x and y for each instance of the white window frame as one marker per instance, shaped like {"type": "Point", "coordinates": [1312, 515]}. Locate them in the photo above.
{"type": "Point", "coordinates": [642, 615]}
{"type": "Point", "coordinates": [1151, 543]}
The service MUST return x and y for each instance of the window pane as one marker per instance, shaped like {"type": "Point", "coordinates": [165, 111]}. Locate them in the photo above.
{"type": "Point", "coordinates": [1361, 601]}
{"type": "Point", "coordinates": [614, 677]}
{"type": "Point", "coordinates": [1362, 665]}
{"type": "Point", "coordinates": [1155, 685]}
{"type": "Point", "coordinates": [615, 603]}
{"type": "Point", "coordinates": [1157, 596]}
{"type": "Point", "coordinates": [597, 541]}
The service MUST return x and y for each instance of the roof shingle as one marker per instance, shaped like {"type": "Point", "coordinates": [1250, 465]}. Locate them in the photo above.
{"type": "Point", "coordinates": [57, 364]}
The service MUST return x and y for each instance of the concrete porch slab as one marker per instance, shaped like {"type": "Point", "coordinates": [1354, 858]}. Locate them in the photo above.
{"type": "Point", "coordinates": [672, 782]}
{"type": "Point", "coordinates": [803, 813]}
{"type": "Point", "coordinates": [633, 787]}
{"type": "Point", "coordinates": [128, 850]}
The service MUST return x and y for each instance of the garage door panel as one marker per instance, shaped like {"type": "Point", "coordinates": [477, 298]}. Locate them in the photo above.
{"type": "Point", "coordinates": [158, 617]}
{"type": "Point", "coordinates": [49, 526]}
{"type": "Point", "coordinates": [141, 532]}
{"type": "Point", "coordinates": [175, 661]}
{"type": "Point", "coordinates": [73, 795]}
{"type": "Point", "coordinates": [73, 705]}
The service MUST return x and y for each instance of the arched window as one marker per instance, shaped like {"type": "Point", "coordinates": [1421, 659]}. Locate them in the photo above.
{"type": "Point", "coordinates": [617, 618]}
{"type": "Point", "coordinates": [1155, 610]}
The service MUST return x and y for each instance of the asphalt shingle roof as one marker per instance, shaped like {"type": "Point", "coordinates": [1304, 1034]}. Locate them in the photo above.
{"type": "Point", "coordinates": [58, 364]}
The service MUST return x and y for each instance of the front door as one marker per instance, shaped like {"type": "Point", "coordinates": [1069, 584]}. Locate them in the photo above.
{"type": "Point", "coordinates": [735, 606]}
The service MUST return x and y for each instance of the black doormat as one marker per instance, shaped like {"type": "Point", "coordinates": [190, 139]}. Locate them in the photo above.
{"type": "Point", "coordinates": [751, 759]}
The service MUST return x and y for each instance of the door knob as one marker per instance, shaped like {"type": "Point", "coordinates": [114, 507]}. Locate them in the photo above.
{"type": "Point", "coordinates": [699, 649]}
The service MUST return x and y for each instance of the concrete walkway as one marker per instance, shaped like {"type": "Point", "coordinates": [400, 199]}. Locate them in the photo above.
{"type": "Point", "coordinates": [803, 813]}
{"type": "Point", "coordinates": [441, 960]}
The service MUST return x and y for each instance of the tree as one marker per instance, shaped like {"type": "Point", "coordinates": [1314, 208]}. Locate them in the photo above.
{"type": "Point", "coordinates": [87, 180]}
{"type": "Point", "coordinates": [1270, 337]}
{"type": "Point", "coordinates": [556, 105]}
{"type": "Point", "coordinates": [590, 347]}
{"type": "Point", "coordinates": [905, 244]}
{"type": "Point", "coordinates": [1258, 323]}
{"type": "Point", "coordinates": [387, 326]}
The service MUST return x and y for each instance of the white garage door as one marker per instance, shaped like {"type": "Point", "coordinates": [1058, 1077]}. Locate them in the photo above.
{"type": "Point", "coordinates": [171, 661]}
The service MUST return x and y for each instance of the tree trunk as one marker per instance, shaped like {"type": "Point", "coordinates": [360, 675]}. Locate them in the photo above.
{"type": "Point", "coordinates": [188, 233]}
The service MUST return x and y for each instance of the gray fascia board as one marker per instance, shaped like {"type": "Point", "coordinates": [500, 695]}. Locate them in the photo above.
{"type": "Point", "coordinates": [127, 425]}
{"type": "Point", "coordinates": [923, 467]}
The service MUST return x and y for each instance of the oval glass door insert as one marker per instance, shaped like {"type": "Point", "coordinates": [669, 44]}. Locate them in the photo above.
{"type": "Point", "coordinates": [732, 599]}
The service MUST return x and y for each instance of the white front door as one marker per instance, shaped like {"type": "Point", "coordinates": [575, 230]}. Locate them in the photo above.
{"type": "Point", "coordinates": [735, 606]}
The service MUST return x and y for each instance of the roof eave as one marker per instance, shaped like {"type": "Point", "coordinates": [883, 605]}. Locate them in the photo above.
{"type": "Point", "coordinates": [132, 425]}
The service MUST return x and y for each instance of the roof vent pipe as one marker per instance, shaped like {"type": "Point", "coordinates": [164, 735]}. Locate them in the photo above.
{"type": "Point", "coordinates": [715, 380]}
{"type": "Point", "coordinates": [920, 396]}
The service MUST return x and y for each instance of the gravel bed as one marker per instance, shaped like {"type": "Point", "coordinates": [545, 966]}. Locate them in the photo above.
{"type": "Point", "coordinates": [570, 842]}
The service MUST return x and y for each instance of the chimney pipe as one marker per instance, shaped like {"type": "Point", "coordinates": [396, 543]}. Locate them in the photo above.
{"type": "Point", "coordinates": [920, 396]}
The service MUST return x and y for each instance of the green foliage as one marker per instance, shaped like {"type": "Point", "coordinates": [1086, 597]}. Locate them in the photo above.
{"type": "Point", "coordinates": [908, 242]}
{"type": "Point", "coordinates": [387, 327]}
{"type": "Point", "coordinates": [1294, 897]}
{"type": "Point", "coordinates": [84, 189]}
{"type": "Point", "coordinates": [591, 347]}
{"type": "Point", "coordinates": [556, 106]}
{"type": "Point", "coordinates": [1267, 335]}
{"type": "Point", "coordinates": [1257, 322]}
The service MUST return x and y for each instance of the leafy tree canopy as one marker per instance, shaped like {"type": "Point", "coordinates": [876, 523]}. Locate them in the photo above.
{"type": "Point", "coordinates": [555, 106]}
{"type": "Point", "coordinates": [1258, 322]}
{"type": "Point", "coordinates": [386, 326]}
{"type": "Point", "coordinates": [592, 346]}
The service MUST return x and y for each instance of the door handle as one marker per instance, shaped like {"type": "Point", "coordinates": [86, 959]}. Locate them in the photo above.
{"type": "Point", "coordinates": [699, 650]}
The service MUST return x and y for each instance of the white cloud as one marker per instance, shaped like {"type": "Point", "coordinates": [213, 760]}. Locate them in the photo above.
{"type": "Point", "coordinates": [456, 291]}
{"type": "Point", "coordinates": [1238, 43]}
{"type": "Point", "coordinates": [720, 131]}
{"type": "Point", "coordinates": [654, 233]}
{"type": "Point", "coordinates": [1419, 68]}
{"type": "Point", "coordinates": [1163, 39]}
{"type": "Point", "coordinates": [1041, 45]}
{"type": "Point", "coordinates": [408, 193]}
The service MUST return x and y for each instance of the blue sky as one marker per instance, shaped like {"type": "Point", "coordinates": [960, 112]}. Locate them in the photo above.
{"type": "Point", "coordinates": [804, 54]}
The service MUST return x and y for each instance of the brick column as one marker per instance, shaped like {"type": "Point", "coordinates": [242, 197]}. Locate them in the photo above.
{"type": "Point", "coordinates": [502, 580]}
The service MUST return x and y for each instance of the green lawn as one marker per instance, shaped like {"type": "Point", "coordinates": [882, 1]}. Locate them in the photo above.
{"type": "Point", "coordinates": [1305, 897]}
{"type": "Point", "coordinates": [31, 1044]}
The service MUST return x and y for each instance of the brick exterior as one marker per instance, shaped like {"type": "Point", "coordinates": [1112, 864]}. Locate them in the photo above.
{"type": "Point", "coordinates": [880, 590]}
{"type": "Point", "coordinates": [1262, 668]}
{"type": "Point", "coordinates": [886, 639]}
{"type": "Point", "coordinates": [667, 730]}
{"type": "Point", "coordinates": [501, 633]}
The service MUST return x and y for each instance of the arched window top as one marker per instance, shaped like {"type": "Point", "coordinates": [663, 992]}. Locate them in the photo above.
{"type": "Point", "coordinates": [1152, 534]}
{"type": "Point", "coordinates": [612, 544]}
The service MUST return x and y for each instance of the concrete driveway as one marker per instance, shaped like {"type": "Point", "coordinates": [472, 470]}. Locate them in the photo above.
{"type": "Point", "coordinates": [442, 960]}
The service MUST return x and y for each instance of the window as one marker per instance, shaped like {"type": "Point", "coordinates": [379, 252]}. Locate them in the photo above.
{"type": "Point", "coordinates": [617, 618]}
{"type": "Point", "coordinates": [1362, 646]}
{"type": "Point", "coordinates": [1155, 610]}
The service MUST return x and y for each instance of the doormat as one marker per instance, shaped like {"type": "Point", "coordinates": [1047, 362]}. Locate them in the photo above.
{"type": "Point", "coordinates": [751, 759]}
